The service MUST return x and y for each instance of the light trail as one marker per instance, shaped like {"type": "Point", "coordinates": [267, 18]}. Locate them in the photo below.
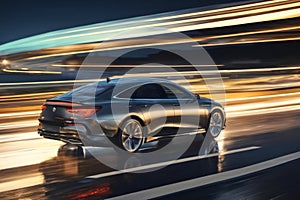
{"type": "Point", "coordinates": [30, 72]}
{"type": "Point", "coordinates": [252, 33]}
{"type": "Point", "coordinates": [263, 111]}
{"type": "Point", "coordinates": [249, 42]}
{"type": "Point", "coordinates": [292, 13]}
{"type": "Point", "coordinates": [32, 95]}
{"type": "Point", "coordinates": [19, 114]}
{"type": "Point", "coordinates": [178, 66]}
{"type": "Point", "coordinates": [157, 18]}
{"type": "Point", "coordinates": [270, 16]}
{"type": "Point", "coordinates": [19, 124]}
{"type": "Point", "coordinates": [130, 66]}
{"type": "Point", "coordinates": [273, 10]}
{"type": "Point", "coordinates": [111, 45]}
{"type": "Point", "coordinates": [18, 137]}
{"type": "Point", "coordinates": [258, 105]}
{"type": "Point", "coordinates": [263, 97]}
{"type": "Point", "coordinates": [247, 6]}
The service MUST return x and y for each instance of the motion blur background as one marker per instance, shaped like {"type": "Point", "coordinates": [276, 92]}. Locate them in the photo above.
{"type": "Point", "coordinates": [254, 44]}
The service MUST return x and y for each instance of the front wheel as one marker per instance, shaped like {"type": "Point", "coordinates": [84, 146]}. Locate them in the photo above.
{"type": "Point", "coordinates": [131, 135]}
{"type": "Point", "coordinates": [215, 123]}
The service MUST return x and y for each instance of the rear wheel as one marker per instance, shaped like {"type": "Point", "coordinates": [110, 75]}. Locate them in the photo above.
{"type": "Point", "coordinates": [215, 123]}
{"type": "Point", "coordinates": [131, 135]}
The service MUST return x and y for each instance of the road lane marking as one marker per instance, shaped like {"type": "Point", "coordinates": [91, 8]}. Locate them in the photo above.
{"type": "Point", "coordinates": [35, 156]}
{"type": "Point", "coordinates": [156, 165]}
{"type": "Point", "coordinates": [210, 179]}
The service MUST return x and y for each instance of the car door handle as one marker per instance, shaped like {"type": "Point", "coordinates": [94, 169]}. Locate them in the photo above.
{"type": "Point", "coordinates": [176, 104]}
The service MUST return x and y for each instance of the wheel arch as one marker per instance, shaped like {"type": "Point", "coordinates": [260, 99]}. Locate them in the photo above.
{"type": "Point", "coordinates": [213, 109]}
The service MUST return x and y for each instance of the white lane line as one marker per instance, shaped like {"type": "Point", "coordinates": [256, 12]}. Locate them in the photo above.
{"type": "Point", "coordinates": [135, 169]}
{"type": "Point", "coordinates": [197, 182]}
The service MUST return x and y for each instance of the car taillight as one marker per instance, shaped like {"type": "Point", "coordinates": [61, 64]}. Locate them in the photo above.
{"type": "Point", "coordinates": [43, 107]}
{"type": "Point", "coordinates": [83, 112]}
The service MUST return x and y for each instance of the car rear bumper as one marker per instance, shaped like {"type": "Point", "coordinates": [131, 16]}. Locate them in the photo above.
{"type": "Point", "coordinates": [77, 135]}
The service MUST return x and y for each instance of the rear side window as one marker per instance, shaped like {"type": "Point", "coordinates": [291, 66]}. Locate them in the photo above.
{"type": "Point", "coordinates": [147, 91]}
{"type": "Point", "coordinates": [85, 93]}
{"type": "Point", "coordinates": [150, 91]}
{"type": "Point", "coordinates": [174, 92]}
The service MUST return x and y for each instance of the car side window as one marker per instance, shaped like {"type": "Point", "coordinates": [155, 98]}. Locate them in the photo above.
{"type": "Point", "coordinates": [127, 94]}
{"type": "Point", "coordinates": [175, 92]}
{"type": "Point", "coordinates": [150, 91]}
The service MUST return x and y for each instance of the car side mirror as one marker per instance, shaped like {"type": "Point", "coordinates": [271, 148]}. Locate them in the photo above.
{"type": "Point", "coordinates": [197, 96]}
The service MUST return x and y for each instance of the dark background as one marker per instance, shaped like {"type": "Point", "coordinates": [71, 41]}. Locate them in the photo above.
{"type": "Point", "coordinates": [19, 19]}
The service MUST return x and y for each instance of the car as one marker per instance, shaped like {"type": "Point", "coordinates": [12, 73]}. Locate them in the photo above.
{"type": "Point", "coordinates": [129, 112]}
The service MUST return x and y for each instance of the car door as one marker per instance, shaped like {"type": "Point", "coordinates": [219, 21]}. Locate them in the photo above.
{"type": "Point", "coordinates": [187, 112]}
{"type": "Point", "coordinates": [157, 109]}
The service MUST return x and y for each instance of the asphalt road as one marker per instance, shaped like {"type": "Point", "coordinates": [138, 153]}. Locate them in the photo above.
{"type": "Point", "coordinates": [256, 155]}
{"type": "Point", "coordinates": [251, 164]}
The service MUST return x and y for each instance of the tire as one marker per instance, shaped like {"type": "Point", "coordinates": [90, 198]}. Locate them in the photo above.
{"type": "Point", "coordinates": [130, 135]}
{"type": "Point", "coordinates": [215, 123]}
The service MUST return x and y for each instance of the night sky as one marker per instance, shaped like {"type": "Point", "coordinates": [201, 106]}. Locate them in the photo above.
{"type": "Point", "coordinates": [19, 19]}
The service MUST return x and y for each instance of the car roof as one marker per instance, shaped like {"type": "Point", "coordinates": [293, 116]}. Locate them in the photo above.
{"type": "Point", "coordinates": [134, 80]}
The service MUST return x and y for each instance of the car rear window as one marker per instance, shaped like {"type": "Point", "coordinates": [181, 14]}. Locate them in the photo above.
{"type": "Point", "coordinates": [85, 93]}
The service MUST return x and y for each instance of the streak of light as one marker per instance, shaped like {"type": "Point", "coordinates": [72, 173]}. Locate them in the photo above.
{"type": "Point", "coordinates": [263, 97]}
{"type": "Point", "coordinates": [156, 44]}
{"type": "Point", "coordinates": [175, 42]}
{"type": "Point", "coordinates": [104, 49]}
{"type": "Point", "coordinates": [32, 95]}
{"type": "Point", "coordinates": [30, 72]}
{"type": "Point", "coordinates": [178, 66]}
{"type": "Point", "coordinates": [142, 19]}
{"type": "Point", "coordinates": [49, 82]}
{"type": "Point", "coordinates": [42, 151]}
{"type": "Point", "coordinates": [242, 20]}
{"type": "Point", "coordinates": [275, 13]}
{"type": "Point", "coordinates": [259, 70]}
{"type": "Point", "coordinates": [262, 111]}
{"type": "Point", "coordinates": [18, 137]}
{"type": "Point", "coordinates": [34, 179]}
{"type": "Point", "coordinates": [27, 113]}
{"type": "Point", "coordinates": [161, 74]}
{"type": "Point", "coordinates": [257, 105]}
{"type": "Point", "coordinates": [124, 66]}
{"type": "Point", "coordinates": [218, 10]}
{"type": "Point", "coordinates": [255, 32]}
{"type": "Point", "coordinates": [20, 124]}
{"type": "Point", "coordinates": [249, 42]}
{"type": "Point", "coordinates": [292, 5]}
{"type": "Point", "coordinates": [257, 18]}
